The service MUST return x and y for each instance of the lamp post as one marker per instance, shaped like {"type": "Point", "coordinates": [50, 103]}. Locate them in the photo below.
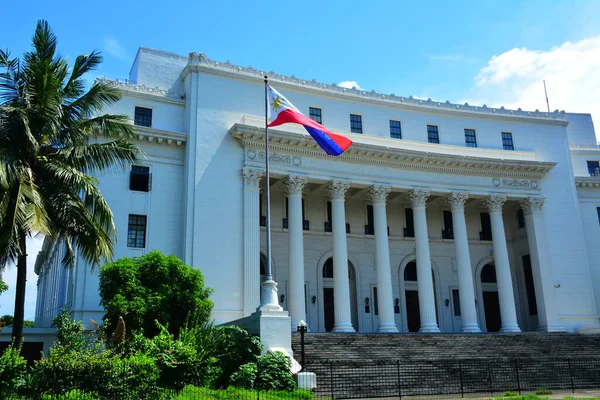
{"type": "Point", "coordinates": [302, 328]}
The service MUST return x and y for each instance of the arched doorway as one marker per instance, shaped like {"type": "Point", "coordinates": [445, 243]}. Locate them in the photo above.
{"type": "Point", "coordinates": [411, 297]}
{"type": "Point", "coordinates": [328, 297]}
{"type": "Point", "coordinates": [489, 296]}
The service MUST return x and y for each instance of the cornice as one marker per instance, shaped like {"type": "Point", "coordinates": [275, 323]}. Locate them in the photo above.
{"type": "Point", "coordinates": [145, 92]}
{"type": "Point", "coordinates": [201, 63]}
{"type": "Point", "coordinates": [587, 181]}
{"type": "Point", "coordinates": [253, 137]}
{"type": "Point", "coordinates": [159, 136]}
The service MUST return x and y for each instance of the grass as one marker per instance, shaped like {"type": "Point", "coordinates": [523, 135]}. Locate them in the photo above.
{"type": "Point", "coordinates": [231, 393]}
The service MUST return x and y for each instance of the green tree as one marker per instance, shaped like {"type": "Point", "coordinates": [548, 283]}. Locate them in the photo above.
{"type": "Point", "coordinates": [9, 320]}
{"type": "Point", "coordinates": [47, 120]}
{"type": "Point", "coordinates": [153, 287]}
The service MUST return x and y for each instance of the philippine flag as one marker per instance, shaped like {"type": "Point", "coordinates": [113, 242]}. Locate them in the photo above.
{"type": "Point", "coordinates": [281, 111]}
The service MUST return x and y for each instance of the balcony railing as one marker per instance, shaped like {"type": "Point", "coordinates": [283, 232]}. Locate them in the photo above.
{"type": "Point", "coordinates": [594, 171]}
{"type": "Point", "coordinates": [448, 233]}
{"type": "Point", "coordinates": [305, 224]}
{"type": "Point", "coordinates": [370, 230]}
{"type": "Point", "coordinates": [328, 227]}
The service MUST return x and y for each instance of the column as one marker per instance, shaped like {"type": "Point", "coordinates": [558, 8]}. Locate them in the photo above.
{"type": "Point", "coordinates": [418, 198]}
{"type": "Point", "coordinates": [541, 266]}
{"type": "Point", "coordinates": [387, 323]}
{"type": "Point", "coordinates": [466, 291]}
{"type": "Point", "coordinates": [251, 239]}
{"type": "Point", "coordinates": [341, 283]}
{"type": "Point", "coordinates": [506, 295]}
{"type": "Point", "coordinates": [296, 303]}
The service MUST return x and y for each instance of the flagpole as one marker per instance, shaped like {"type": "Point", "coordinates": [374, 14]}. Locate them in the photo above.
{"type": "Point", "coordinates": [267, 190]}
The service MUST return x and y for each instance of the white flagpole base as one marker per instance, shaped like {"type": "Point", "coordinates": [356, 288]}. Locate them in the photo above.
{"type": "Point", "coordinates": [268, 298]}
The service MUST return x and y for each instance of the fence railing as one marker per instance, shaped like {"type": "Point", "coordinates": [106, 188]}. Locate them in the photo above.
{"type": "Point", "coordinates": [398, 378]}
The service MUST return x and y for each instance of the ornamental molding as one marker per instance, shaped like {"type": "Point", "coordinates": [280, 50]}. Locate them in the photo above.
{"type": "Point", "coordinates": [337, 189]}
{"type": "Point", "coordinates": [532, 205]}
{"type": "Point", "coordinates": [279, 158]}
{"type": "Point", "coordinates": [494, 203]}
{"type": "Point", "coordinates": [126, 85]}
{"type": "Point", "coordinates": [418, 197]}
{"type": "Point", "coordinates": [201, 63]}
{"type": "Point", "coordinates": [457, 200]}
{"type": "Point", "coordinates": [297, 144]}
{"type": "Point", "coordinates": [151, 135]}
{"type": "Point", "coordinates": [378, 194]}
{"type": "Point", "coordinates": [294, 184]}
{"type": "Point", "coordinates": [516, 183]}
{"type": "Point", "coordinates": [587, 181]}
{"type": "Point", "coordinates": [251, 177]}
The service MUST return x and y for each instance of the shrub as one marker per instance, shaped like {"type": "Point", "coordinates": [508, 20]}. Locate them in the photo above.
{"type": "Point", "coordinates": [232, 393]}
{"type": "Point", "coordinates": [72, 395]}
{"type": "Point", "coordinates": [12, 369]}
{"type": "Point", "coordinates": [540, 392]}
{"type": "Point", "coordinates": [271, 372]}
{"type": "Point", "coordinates": [508, 393]}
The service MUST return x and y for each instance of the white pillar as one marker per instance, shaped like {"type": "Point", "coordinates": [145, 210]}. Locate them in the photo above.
{"type": "Point", "coordinates": [341, 283]}
{"type": "Point", "coordinates": [506, 295]}
{"type": "Point", "coordinates": [541, 265]}
{"type": "Point", "coordinates": [385, 298]}
{"type": "Point", "coordinates": [466, 292]}
{"type": "Point", "coordinates": [418, 198]}
{"type": "Point", "coordinates": [251, 239]}
{"type": "Point", "coordinates": [295, 298]}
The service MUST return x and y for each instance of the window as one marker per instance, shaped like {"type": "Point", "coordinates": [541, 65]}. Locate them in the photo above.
{"type": "Point", "coordinates": [395, 129]}
{"type": "Point", "coordinates": [448, 232]}
{"type": "Point", "coordinates": [598, 210]}
{"type": "Point", "coordinates": [456, 302]}
{"type": "Point", "coordinates": [370, 226]}
{"type": "Point", "coordinates": [263, 218]}
{"type": "Point", "coordinates": [529, 284]}
{"type": "Point", "coordinates": [409, 231]}
{"type": "Point", "coordinates": [507, 141]}
{"type": "Point", "coordinates": [432, 134]}
{"type": "Point", "coordinates": [305, 223]}
{"type": "Point", "coordinates": [355, 123]}
{"type": "Point", "coordinates": [594, 168]}
{"type": "Point", "coordinates": [143, 116]}
{"type": "Point", "coordinates": [486, 227]}
{"type": "Point", "coordinates": [520, 218]}
{"type": "Point", "coordinates": [328, 225]}
{"type": "Point", "coordinates": [470, 139]}
{"type": "Point", "coordinates": [315, 114]}
{"type": "Point", "coordinates": [136, 231]}
{"type": "Point", "coordinates": [375, 302]}
{"type": "Point", "coordinates": [140, 178]}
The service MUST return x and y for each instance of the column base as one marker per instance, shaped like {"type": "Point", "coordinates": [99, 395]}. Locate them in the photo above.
{"type": "Point", "coordinates": [387, 328]}
{"type": "Point", "coordinates": [343, 327]}
{"type": "Point", "coordinates": [551, 328]}
{"type": "Point", "coordinates": [429, 328]}
{"type": "Point", "coordinates": [470, 328]}
{"type": "Point", "coordinates": [510, 329]}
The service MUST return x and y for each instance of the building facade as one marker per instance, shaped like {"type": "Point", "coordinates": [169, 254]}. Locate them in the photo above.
{"type": "Point", "coordinates": [439, 218]}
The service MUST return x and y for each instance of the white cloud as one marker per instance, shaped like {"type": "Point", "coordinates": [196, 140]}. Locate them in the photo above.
{"type": "Point", "coordinates": [515, 79]}
{"type": "Point", "coordinates": [113, 47]}
{"type": "Point", "coordinates": [350, 85]}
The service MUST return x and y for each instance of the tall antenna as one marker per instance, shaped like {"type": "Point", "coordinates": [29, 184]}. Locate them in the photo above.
{"type": "Point", "coordinates": [546, 93]}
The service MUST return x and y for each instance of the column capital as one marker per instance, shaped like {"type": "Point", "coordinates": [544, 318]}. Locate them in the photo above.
{"type": "Point", "coordinates": [378, 193]}
{"type": "Point", "coordinates": [457, 200]}
{"type": "Point", "coordinates": [337, 189]}
{"type": "Point", "coordinates": [251, 177]}
{"type": "Point", "coordinates": [294, 184]}
{"type": "Point", "coordinates": [494, 203]}
{"type": "Point", "coordinates": [418, 197]}
{"type": "Point", "coordinates": [532, 204]}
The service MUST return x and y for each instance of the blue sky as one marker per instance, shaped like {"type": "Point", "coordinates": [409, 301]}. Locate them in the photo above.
{"type": "Point", "coordinates": [492, 52]}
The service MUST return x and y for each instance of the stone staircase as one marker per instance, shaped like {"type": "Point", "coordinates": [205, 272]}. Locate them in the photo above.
{"type": "Point", "coordinates": [372, 347]}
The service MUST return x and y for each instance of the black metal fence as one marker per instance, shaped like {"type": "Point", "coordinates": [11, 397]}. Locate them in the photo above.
{"type": "Point", "coordinates": [397, 378]}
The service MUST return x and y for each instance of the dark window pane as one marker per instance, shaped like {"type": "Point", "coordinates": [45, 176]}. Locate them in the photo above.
{"type": "Point", "coordinates": [140, 178]}
{"type": "Point", "coordinates": [456, 301]}
{"type": "Point", "coordinates": [315, 114]}
{"type": "Point", "coordinates": [520, 218]}
{"type": "Point", "coordinates": [470, 139]}
{"type": "Point", "coordinates": [370, 228]}
{"type": "Point", "coordinates": [432, 134]}
{"type": "Point", "coordinates": [448, 232]}
{"type": "Point", "coordinates": [143, 116]}
{"type": "Point", "coordinates": [410, 224]}
{"type": "Point", "coordinates": [355, 123]}
{"type": "Point", "coordinates": [375, 302]}
{"type": "Point", "coordinates": [395, 129]}
{"type": "Point", "coordinates": [529, 285]}
{"type": "Point", "coordinates": [594, 168]}
{"type": "Point", "coordinates": [410, 272]}
{"type": "Point", "coordinates": [598, 210]}
{"type": "Point", "coordinates": [328, 268]}
{"type": "Point", "coordinates": [507, 141]}
{"type": "Point", "coordinates": [488, 274]}
{"type": "Point", "coordinates": [136, 232]}
{"type": "Point", "coordinates": [486, 227]}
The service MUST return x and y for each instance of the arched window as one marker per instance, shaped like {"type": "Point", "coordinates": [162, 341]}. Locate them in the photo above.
{"type": "Point", "coordinates": [410, 271]}
{"type": "Point", "coordinates": [488, 273]}
{"type": "Point", "coordinates": [328, 269]}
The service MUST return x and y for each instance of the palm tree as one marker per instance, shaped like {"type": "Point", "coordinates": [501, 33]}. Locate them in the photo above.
{"type": "Point", "coordinates": [47, 123]}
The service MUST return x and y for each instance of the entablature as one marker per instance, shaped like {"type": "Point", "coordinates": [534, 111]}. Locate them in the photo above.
{"type": "Point", "coordinates": [587, 181]}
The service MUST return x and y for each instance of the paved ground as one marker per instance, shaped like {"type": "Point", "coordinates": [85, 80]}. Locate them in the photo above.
{"type": "Point", "coordinates": [580, 394]}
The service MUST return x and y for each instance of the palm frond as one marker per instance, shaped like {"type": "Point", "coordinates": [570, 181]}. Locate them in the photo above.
{"type": "Point", "coordinates": [98, 156]}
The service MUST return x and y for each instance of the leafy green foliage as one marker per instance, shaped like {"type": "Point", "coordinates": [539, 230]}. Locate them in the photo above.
{"type": "Point", "coordinates": [3, 286]}
{"type": "Point", "coordinates": [8, 320]}
{"type": "Point", "coordinates": [508, 393]}
{"type": "Point", "coordinates": [153, 287]}
{"type": "Point", "coordinates": [69, 333]}
{"type": "Point", "coordinates": [12, 370]}
{"type": "Point", "coordinates": [541, 392]}
{"type": "Point", "coordinates": [74, 394]}
{"type": "Point", "coordinates": [234, 393]}
{"type": "Point", "coordinates": [270, 372]}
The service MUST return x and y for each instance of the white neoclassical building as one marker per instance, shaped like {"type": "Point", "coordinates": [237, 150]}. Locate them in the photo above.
{"type": "Point", "coordinates": [440, 217]}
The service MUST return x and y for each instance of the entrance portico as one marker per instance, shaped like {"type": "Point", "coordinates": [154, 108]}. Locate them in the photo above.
{"type": "Point", "coordinates": [302, 182]}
